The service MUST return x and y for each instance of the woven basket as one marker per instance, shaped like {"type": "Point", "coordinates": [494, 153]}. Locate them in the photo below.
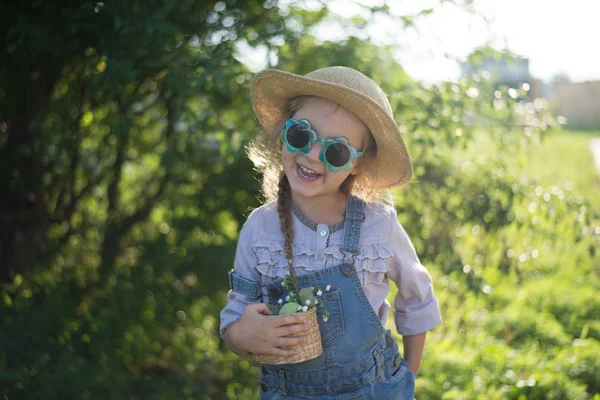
{"type": "Point", "coordinates": [313, 347]}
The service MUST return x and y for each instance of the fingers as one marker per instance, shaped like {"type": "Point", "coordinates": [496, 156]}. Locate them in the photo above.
{"type": "Point", "coordinates": [260, 308]}
{"type": "Point", "coordinates": [285, 338]}
{"type": "Point", "coordinates": [289, 342]}
{"type": "Point", "coordinates": [275, 336]}
{"type": "Point", "coordinates": [292, 330]}
{"type": "Point", "coordinates": [289, 320]}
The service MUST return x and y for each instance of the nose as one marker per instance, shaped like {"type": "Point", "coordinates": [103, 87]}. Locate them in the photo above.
{"type": "Point", "coordinates": [311, 159]}
{"type": "Point", "coordinates": [314, 152]}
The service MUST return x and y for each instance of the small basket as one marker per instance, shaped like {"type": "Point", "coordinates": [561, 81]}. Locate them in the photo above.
{"type": "Point", "coordinates": [313, 347]}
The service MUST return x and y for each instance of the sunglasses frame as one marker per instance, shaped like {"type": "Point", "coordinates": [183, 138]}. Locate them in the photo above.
{"type": "Point", "coordinates": [315, 138]}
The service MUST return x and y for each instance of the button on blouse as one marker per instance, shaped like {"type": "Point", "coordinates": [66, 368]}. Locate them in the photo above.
{"type": "Point", "coordinates": [322, 234]}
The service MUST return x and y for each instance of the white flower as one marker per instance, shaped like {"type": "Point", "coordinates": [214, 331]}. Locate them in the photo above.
{"type": "Point", "coordinates": [287, 298]}
{"type": "Point", "coordinates": [316, 302]}
{"type": "Point", "coordinates": [304, 308]}
{"type": "Point", "coordinates": [328, 288]}
{"type": "Point", "coordinates": [325, 319]}
{"type": "Point", "coordinates": [299, 308]}
{"type": "Point", "coordinates": [307, 302]}
{"type": "Point", "coordinates": [280, 301]}
{"type": "Point", "coordinates": [320, 292]}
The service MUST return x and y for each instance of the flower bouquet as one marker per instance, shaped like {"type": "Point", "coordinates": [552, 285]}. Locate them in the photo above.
{"type": "Point", "coordinates": [305, 302]}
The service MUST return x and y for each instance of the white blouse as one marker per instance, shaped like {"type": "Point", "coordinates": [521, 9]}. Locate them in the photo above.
{"type": "Point", "coordinates": [386, 252]}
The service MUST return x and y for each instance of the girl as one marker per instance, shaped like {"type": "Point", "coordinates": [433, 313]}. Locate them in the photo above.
{"type": "Point", "coordinates": [332, 150]}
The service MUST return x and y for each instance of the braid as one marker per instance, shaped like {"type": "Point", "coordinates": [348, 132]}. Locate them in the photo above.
{"type": "Point", "coordinates": [284, 200]}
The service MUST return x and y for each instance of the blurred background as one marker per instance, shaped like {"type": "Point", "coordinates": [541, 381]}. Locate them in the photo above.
{"type": "Point", "coordinates": [124, 183]}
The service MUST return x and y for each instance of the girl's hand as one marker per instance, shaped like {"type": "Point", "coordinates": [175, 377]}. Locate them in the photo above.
{"type": "Point", "coordinates": [254, 333]}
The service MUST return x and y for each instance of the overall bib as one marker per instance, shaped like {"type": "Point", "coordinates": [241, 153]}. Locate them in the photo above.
{"type": "Point", "coordinates": [360, 358]}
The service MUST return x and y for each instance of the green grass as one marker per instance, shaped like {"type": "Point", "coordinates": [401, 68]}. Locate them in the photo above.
{"type": "Point", "coordinates": [531, 324]}
{"type": "Point", "coordinates": [562, 156]}
{"type": "Point", "coordinates": [566, 156]}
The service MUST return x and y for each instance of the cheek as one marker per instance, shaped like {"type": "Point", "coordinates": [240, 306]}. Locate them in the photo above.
{"type": "Point", "coordinates": [287, 159]}
{"type": "Point", "coordinates": [286, 156]}
{"type": "Point", "coordinates": [338, 177]}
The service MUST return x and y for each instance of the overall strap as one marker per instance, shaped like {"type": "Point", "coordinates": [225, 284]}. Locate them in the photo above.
{"type": "Point", "coordinates": [354, 219]}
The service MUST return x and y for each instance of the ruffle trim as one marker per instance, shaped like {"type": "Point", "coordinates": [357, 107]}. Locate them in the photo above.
{"type": "Point", "coordinates": [372, 263]}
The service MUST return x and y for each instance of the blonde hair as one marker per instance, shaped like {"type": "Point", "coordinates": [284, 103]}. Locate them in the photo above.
{"type": "Point", "coordinates": [265, 153]}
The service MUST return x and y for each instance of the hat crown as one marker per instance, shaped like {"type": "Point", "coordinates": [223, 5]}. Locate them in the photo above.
{"type": "Point", "coordinates": [355, 80]}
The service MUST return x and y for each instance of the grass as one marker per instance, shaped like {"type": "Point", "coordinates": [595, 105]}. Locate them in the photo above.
{"type": "Point", "coordinates": [562, 156]}
{"type": "Point", "coordinates": [566, 156]}
{"type": "Point", "coordinates": [482, 327]}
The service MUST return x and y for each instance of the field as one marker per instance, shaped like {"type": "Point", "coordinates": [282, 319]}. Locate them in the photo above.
{"type": "Point", "coordinates": [522, 317]}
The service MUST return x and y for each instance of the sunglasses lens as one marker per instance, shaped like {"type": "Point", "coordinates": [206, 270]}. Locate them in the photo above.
{"type": "Point", "coordinates": [298, 136]}
{"type": "Point", "coordinates": [337, 155]}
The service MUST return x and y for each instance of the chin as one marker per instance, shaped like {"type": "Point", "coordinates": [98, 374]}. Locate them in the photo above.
{"type": "Point", "coordinates": [307, 190]}
{"type": "Point", "coordinates": [300, 188]}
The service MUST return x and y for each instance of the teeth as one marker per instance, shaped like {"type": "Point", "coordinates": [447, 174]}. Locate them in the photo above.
{"type": "Point", "coordinates": [310, 171]}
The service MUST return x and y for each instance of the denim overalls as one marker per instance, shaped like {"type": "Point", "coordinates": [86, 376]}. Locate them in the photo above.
{"type": "Point", "coordinates": [360, 359]}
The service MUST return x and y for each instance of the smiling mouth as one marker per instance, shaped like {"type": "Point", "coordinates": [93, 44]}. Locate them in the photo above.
{"type": "Point", "coordinates": [307, 174]}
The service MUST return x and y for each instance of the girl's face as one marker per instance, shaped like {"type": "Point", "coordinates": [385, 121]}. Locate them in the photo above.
{"type": "Point", "coordinates": [307, 175]}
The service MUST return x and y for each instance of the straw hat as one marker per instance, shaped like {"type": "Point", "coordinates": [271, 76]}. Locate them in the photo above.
{"type": "Point", "coordinates": [271, 90]}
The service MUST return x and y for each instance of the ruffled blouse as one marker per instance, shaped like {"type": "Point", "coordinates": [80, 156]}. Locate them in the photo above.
{"type": "Point", "coordinates": [385, 253]}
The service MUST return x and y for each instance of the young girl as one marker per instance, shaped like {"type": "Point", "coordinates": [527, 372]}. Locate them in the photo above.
{"type": "Point", "coordinates": [332, 151]}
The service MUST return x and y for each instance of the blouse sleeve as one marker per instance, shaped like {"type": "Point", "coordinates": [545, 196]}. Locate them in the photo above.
{"type": "Point", "coordinates": [244, 266]}
{"type": "Point", "coordinates": [416, 308]}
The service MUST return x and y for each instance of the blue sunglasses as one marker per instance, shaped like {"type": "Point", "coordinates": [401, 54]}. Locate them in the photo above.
{"type": "Point", "coordinates": [337, 153]}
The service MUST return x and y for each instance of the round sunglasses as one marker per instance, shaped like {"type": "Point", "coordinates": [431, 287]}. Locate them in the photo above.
{"type": "Point", "coordinates": [337, 153]}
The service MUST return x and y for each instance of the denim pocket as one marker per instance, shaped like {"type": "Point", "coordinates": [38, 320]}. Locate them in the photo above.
{"type": "Point", "coordinates": [393, 366]}
{"type": "Point", "coordinates": [333, 328]}
{"type": "Point", "coordinates": [268, 392]}
{"type": "Point", "coordinates": [275, 292]}
{"type": "Point", "coordinates": [396, 381]}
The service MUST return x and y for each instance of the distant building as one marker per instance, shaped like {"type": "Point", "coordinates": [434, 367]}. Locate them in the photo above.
{"type": "Point", "coordinates": [512, 72]}
{"type": "Point", "coordinates": [579, 103]}
{"type": "Point", "coordinates": [539, 88]}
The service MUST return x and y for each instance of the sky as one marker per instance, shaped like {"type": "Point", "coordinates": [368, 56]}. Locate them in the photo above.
{"type": "Point", "coordinates": [557, 36]}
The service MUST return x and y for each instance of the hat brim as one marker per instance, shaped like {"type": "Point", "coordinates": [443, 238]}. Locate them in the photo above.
{"type": "Point", "coordinates": [271, 90]}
